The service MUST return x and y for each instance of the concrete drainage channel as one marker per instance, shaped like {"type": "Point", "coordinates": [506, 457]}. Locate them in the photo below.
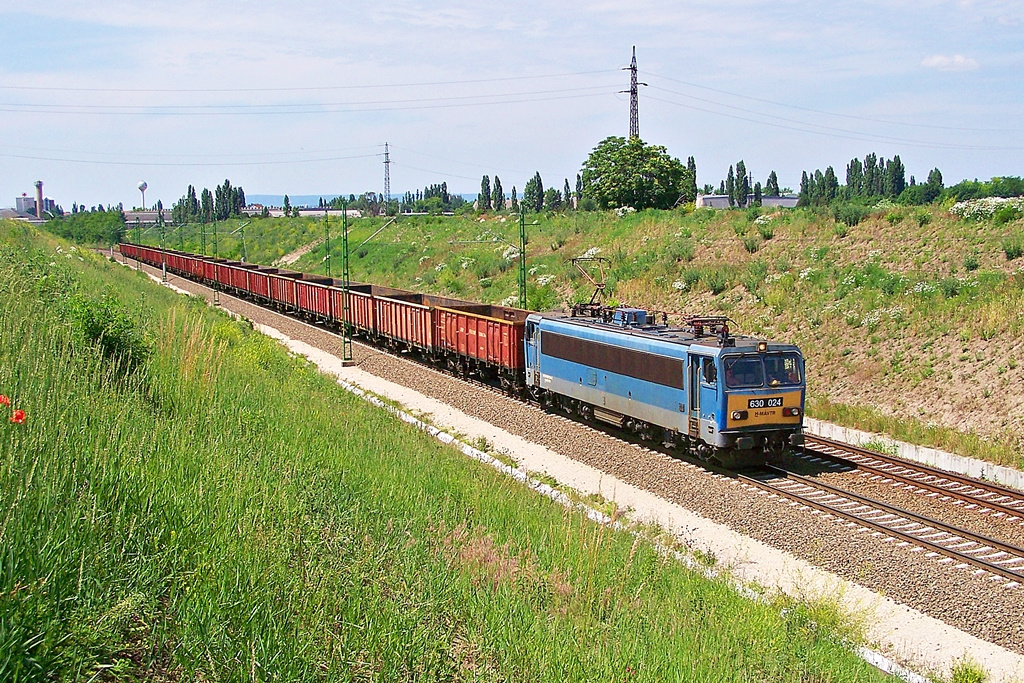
{"type": "Point", "coordinates": [912, 636]}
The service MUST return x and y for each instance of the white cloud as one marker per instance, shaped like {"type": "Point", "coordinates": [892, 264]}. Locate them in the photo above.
{"type": "Point", "coordinates": [949, 63]}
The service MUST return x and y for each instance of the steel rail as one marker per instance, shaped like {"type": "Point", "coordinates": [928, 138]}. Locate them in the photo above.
{"type": "Point", "coordinates": [980, 544]}
{"type": "Point", "coordinates": [1012, 504]}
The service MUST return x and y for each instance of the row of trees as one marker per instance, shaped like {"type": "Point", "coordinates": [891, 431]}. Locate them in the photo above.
{"type": "Point", "coordinates": [869, 180]}
{"type": "Point", "coordinates": [432, 199]}
{"type": "Point", "coordinates": [226, 202]}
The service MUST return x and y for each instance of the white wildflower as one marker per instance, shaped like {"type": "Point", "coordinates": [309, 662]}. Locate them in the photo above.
{"type": "Point", "coordinates": [512, 300]}
{"type": "Point", "coordinates": [592, 252]}
{"type": "Point", "coordinates": [678, 284]}
{"type": "Point", "coordinates": [806, 273]}
{"type": "Point", "coordinates": [466, 262]}
{"type": "Point", "coordinates": [440, 266]}
{"type": "Point", "coordinates": [510, 253]}
{"type": "Point", "coordinates": [985, 207]}
{"type": "Point", "coordinates": [624, 211]}
{"type": "Point", "coordinates": [545, 280]}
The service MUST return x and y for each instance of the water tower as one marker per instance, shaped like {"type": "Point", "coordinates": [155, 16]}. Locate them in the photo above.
{"type": "Point", "coordinates": [142, 188]}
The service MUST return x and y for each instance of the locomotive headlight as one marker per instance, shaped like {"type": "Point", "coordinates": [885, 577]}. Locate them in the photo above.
{"type": "Point", "coordinates": [739, 415]}
{"type": "Point", "coordinates": [762, 346]}
{"type": "Point", "coordinates": [791, 412]}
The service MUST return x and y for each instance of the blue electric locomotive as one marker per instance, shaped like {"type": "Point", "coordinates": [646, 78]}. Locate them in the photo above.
{"type": "Point", "coordinates": [732, 399]}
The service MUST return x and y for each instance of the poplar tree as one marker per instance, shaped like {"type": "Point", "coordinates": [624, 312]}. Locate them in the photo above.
{"type": "Point", "coordinates": [498, 195]}
{"type": "Point", "coordinates": [730, 187]}
{"type": "Point", "coordinates": [742, 184]}
{"type": "Point", "coordinates": [484, 198]}
{"type": "Point", "coordinates": [567, 195]}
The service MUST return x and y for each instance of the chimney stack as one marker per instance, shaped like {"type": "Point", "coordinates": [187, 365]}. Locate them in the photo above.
{"type": "Point", "coordinates": [39, 199]}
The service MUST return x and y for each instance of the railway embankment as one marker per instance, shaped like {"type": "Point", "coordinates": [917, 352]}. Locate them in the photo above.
{"type": "Point", "coordinates": [908, 576]}
{"type": "Point", "coordinates": [181, 499]}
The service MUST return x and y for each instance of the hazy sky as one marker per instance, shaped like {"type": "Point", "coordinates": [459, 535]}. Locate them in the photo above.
{"type": "Point", "coordinates": [299, 98]}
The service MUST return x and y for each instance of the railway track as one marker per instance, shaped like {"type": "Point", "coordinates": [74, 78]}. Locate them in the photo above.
{"type": "Point", "coordinates": [982, 496]}
{"type": "Point", "coordinates": [964, 547]}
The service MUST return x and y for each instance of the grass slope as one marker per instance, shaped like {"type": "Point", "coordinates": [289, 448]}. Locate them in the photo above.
{"type": "Point", "coordinates": [187, 502]}
{"type": "Point", "coordinates": [910, 319]}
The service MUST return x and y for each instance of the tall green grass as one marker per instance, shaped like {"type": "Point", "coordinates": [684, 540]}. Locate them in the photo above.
{"type": "Point", "coordinates": [220, 511]}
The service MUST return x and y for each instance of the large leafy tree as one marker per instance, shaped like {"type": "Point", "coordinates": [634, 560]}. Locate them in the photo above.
{"type": "Point", "coordinates": [622, 172]}
{"type": "Point", "coordinates": [533, 193]}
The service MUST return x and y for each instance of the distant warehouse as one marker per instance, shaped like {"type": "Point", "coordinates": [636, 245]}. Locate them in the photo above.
{"type": "Point", "coordinates": [721, 201]}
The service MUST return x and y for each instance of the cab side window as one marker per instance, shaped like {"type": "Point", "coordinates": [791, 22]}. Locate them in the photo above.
{"type": "Point", "coordinates": [710, 372]}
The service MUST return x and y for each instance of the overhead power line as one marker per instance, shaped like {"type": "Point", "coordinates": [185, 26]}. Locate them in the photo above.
{"type": "Point", "coordinates": [862, 137]}
{"type": "Point", "coordinates": [832, 113]}
{"type": "Point", "coordinates": [108, 162]}
{"type": "Point", "coordinates": [303, 88]}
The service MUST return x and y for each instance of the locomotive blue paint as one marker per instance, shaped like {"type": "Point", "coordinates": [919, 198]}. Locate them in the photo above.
{"type": "Point", "coordinates": [644, 377]}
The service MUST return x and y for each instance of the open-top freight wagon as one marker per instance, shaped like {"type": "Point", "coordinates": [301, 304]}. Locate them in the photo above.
{"type": "Point", "coordinates": [731, 398]}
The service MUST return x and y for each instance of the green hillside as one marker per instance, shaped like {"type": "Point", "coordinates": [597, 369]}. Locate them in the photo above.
{"type": "Point", "coordinates": [179, 501]}
{"type": "Point", "coordinates": [909, 316]}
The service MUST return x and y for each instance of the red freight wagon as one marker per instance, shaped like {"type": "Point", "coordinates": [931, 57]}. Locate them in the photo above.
{"type": "Point", "coordinates": [240, 275]}
{"type": "Point", "coordinates": [194, 266]}
{"type": "Point", "coordinates": [314, 295]}
{"type": "Point", "coordinates": [259, 282]}
{"type": "Point", "coordinates": [211, 269]}
{"type": "Point", "coordinates": [282, 288]}
{"type": "Point", "coordinates": [362, 311]}
{"type": "Point", "coordinates": [490, 335]}
{"type": "Point", "coordinates": [405, 319]}
{"type": "Point", "coordinates": [225, 273]}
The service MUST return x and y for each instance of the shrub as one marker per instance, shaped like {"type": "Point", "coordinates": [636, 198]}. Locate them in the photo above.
{"type": "Point", "coordinates": [849, 214]}
{"type": "Point", "coordinates": [840, 230]}
{"type": "Point", "coordinates": [950, 287]}
{"type": "Point", "coordinates": [751, 244]}
{"type": "Point", "coordinates": [971, 262]}
{"type": "Point", "coordinates": [1013, 246]}
{"type": "Point", "coordinates": [894, 217]}
{"type": "Point", "coordinates": [105, 323]}
{"type": "Point", "coordinates": [923, 218]}
{"type": "Point", "coordinates": [716, 280]}
{"type": "Point", "coordinates": [766, 231]}
{"type": "Point", "coordinates": [681, 250]}
{"type": "Point", "coordinates": [690, 278]}
{"type": "Point", "coordinates": [1006, 214]}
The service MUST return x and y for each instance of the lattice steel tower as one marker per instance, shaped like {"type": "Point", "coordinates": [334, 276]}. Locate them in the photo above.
{"type": "Point", "coordinates": [387, 178]}
{"type": "Point", "coordinates": [634, 110]}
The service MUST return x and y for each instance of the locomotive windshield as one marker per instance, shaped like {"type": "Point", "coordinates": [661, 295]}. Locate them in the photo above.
{"type": "Point", "coordinates": [779, 369]}
{"type": "Point", "coordinates": [744, 371]}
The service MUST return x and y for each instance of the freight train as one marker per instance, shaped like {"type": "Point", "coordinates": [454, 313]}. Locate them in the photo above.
{"type": "Point", "coordinates": [719, 396]}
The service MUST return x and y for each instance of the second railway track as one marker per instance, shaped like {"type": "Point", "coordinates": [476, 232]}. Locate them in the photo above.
{"type": "Point", "coordinates": [1001, 501]}
{"type": "Point", "coordinates": [988, 554]}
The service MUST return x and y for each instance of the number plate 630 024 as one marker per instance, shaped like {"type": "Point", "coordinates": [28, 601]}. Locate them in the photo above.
{"type": "Point", "coordinates": [775, 402]}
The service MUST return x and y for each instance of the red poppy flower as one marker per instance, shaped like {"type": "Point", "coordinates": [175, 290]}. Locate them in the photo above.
{"type": "Point", "coordinates": [4, 401]}
{"type": "Point", "coordinates": [18, 417]}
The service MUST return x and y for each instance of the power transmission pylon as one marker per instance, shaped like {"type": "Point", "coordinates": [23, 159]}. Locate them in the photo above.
{"type": "Point", "coordinates": [634, 109]}
{"type": "Point", "coordinates": [387, 178]}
